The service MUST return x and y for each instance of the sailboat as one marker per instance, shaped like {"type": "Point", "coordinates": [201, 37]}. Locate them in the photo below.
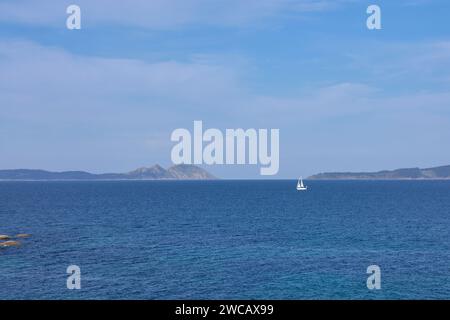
{"type": "Point", "coordinates": [301, 186]}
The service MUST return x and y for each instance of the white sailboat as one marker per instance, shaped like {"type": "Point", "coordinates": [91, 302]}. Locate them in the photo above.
{"type": "Point", "coordinates": [301, 186]}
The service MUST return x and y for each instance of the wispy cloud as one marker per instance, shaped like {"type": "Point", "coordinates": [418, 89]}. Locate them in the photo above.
{"type": "Point", "coordinates": [158, 14]}
{"type": "Point", "coordinates": [57, 78]}
{"type": "Point", "coordinates": [91, 109]}
{"type": "Point", "coordinates": [423, 64]}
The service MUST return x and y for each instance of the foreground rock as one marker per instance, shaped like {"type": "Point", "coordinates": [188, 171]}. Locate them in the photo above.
{"type": "Point", "coordinates": [9, 244]}
{"type": "Point", "coordinates": [23, 235]}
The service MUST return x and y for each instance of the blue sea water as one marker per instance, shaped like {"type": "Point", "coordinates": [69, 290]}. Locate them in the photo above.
{"type": "Point", "coordinates": [226, 239]}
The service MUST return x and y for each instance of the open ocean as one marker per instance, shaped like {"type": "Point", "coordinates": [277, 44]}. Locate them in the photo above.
{"type": "Point", "coordinates": [226, 239]}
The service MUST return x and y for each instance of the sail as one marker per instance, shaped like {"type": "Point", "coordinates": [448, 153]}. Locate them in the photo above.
{"type": "Point", "coordinates": [300, 185]}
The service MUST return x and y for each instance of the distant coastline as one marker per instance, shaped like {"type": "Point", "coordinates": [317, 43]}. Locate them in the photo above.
{"type": "Point", "coordinates": [192, 172]}
{"type": "Point", "coordinates": [156, 172]}
{"type": "Point", "coordinates": [435, 173]}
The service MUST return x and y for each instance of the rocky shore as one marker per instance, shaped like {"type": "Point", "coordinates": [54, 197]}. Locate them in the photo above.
{"type": "Point", "coordinates": [12, 241]}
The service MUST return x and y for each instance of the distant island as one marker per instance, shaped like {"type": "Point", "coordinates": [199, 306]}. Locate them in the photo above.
{"type": "Point", "coordinates": [156, 172]}
{"type": "Point", "coordinates": [442, 172]}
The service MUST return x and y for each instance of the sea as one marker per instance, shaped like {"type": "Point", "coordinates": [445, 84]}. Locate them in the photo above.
{"type": "Point", "coordinates": [226, 239]}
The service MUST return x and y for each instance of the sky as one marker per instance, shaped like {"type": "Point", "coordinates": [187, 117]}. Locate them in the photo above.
{"type": "Point", "coordinates": [107, 97]}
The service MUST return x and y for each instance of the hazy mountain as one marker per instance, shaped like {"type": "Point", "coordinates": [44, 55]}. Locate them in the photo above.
{"type": "Point", "coordinates": [156, 172]}
{"type": "Point", "coordinates": [29, 174]}
{"type": "Point", "coordinates": [183, 171]}
{"type": "Point", "coordinates": [399, 174]}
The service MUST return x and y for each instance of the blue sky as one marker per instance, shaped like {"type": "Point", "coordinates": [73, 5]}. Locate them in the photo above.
{"type": "Point", "coordinates": [107, 97]}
